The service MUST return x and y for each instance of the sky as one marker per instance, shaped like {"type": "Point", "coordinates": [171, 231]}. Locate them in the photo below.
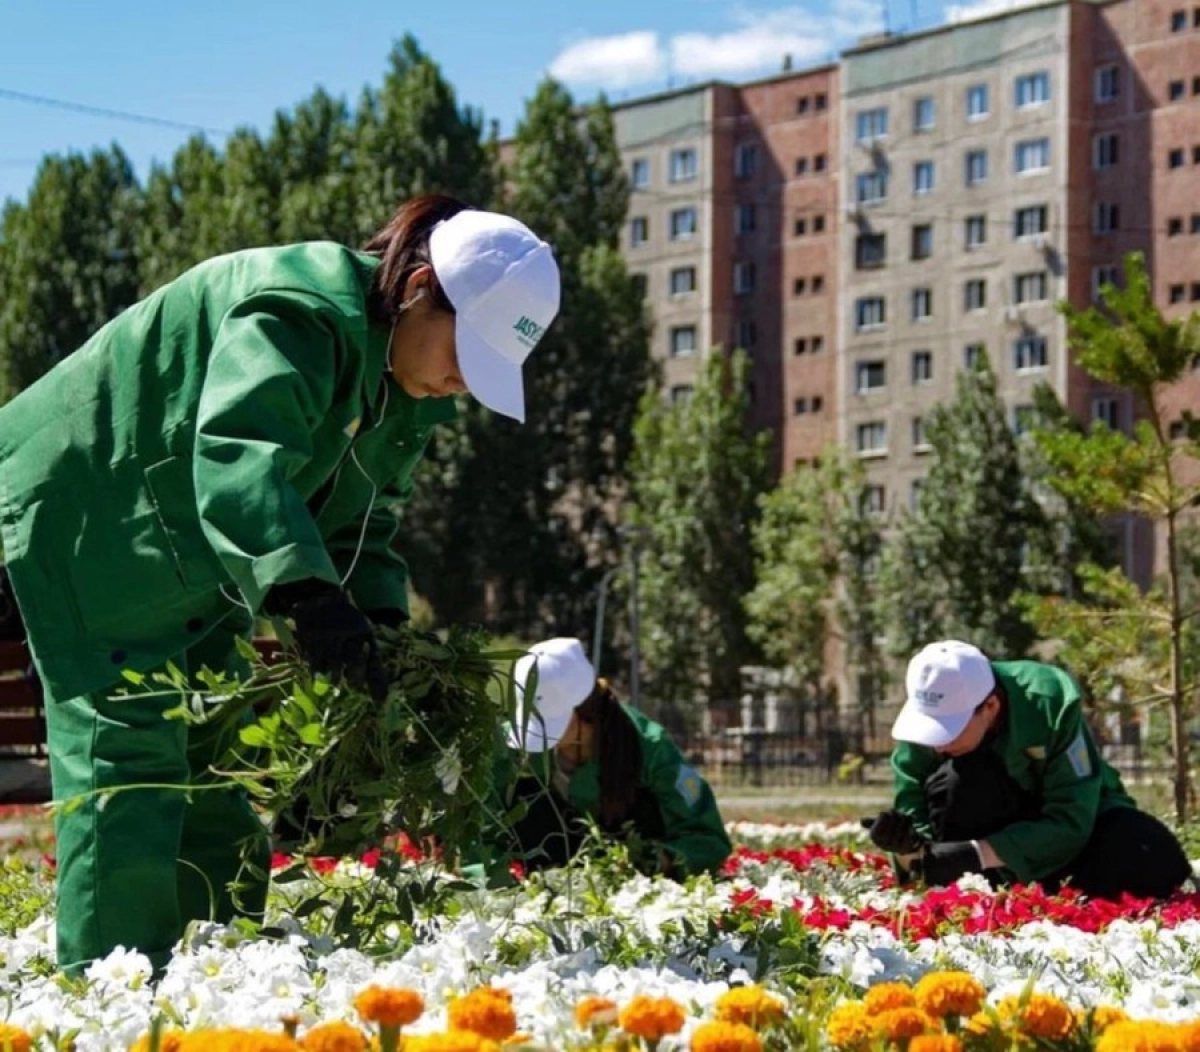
{"type": "Point", "coordinates": [217, 65]}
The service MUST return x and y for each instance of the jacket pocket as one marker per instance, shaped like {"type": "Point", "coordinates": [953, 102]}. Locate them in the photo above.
{"type": "Point", "coordinates": [173, 497]}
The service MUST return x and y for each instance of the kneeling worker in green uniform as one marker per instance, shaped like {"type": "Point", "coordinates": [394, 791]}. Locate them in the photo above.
{"type": "Point", "coordinates": [996, 772]}
{"type": "Point", "coordinates": [577, 754]}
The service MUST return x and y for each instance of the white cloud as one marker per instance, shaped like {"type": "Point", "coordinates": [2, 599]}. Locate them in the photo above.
{"type": "Point", "coordinates": [757, 42]}
{"type": "Point", "coordinates": [983, 8]}
{"type": "Point", "coordinates": [618, 61]}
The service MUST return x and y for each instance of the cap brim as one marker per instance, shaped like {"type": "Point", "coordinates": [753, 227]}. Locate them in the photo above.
{"type": "Point", "coordinates": [490, 377]}
{"type": "Point", "coordinates": [913, 725]}
{"type": "Point", "coordinates": [538, 735]}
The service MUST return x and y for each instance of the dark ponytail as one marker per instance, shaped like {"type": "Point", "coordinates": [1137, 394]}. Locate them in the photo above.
{"type": "Point", "coordinates": [618, 751]}
{"type": "Point", "coordinates": [403, 246]}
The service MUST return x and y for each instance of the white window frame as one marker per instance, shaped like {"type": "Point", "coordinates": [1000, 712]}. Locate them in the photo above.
{"type": "Point", "coordinates": [1107, 82]}
{"type": "Point", "coordinates": [870, 376]}
{"type": "Point", "coordinates": [1031, 287]}
{"type": "Point", "coordinates": [684, 164]}
{"type": "Point", "coordinates": [1103, 213]}
{"type": "Point", "coordinates": [922, 304]}
{"type": "Point", "coordinates": [639, 230]}
{"type": "Point", "coordinates": [745, 159]}
{"type": "Point", "coordinates": [970, 301]}
{"type": "Point", "coordinates": [1107, 408]}
{"type": "Point", "coordinates": [678, 272]}
{"type": "Point", "coordinates": [1104, 274]}
{"type": "Point", "coordinates": [639, 173]}
{"type": "Point", "coordinates": [678, 229]}
{"type": "Point", "coordinates": [921, 368]}
{"type": "Point", "coordinates": [927, 102]}
{"type": "Point", "coordinates": [1039, 212]}
{"type": "Point", "coordinates": [972, 352]}
{"type": "Point", "coordinates": [1038, 94]}
{"type": "Point", "coordinates": [745, 277]}
{"type": "Point", "coordinates": [871, 125]}
{"type": "Point", "coordinates": [870, 438]}
{"type": "Point", "coordinates": [976, 158]}
{"type": "Point", "coordinates": [976, 223]}
{"type": "Point", "coordinates": [744, 218]}
{"type": "Point", "coordinates": [976, 94]}
{"type": "Point", "coordinates": [920, 439]}
{"type": "Point", "coordinates": [1031, 354]}
{"type": "Point", "coordinates": [870, 313]}
{"type": "Point", "coordinates": [924, 177]}
{"type": "Point", "coordinates": [1032, 155]}
{"type": "Point", "coordinates": [870, 188]}
{"type": "Point", "coordinates": [1106, 150]}
{"type": "Point", "coordinates": [684, 340]}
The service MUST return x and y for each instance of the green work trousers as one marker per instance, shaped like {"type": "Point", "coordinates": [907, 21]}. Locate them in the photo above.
{"type": "Point", "coordinates": [135, 867]}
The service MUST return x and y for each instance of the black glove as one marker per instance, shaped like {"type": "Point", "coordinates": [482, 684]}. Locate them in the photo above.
{"type": "Point", "coordinates": [944, 863]}
{"type": "Point", "coordinates": [333, 636]}
{"type": "Point", "coordinates": [12, 628]}
{"type": "Point", "coordinates": [894, 832]}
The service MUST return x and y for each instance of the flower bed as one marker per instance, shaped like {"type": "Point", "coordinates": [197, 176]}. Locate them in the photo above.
{"type": "Point", "coordinates": [809, 945]}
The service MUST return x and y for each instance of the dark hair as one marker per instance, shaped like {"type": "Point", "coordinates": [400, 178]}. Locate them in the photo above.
{"type": "Point", "coordinates": [403, 245]}
{"type": "Point", "coordinates": [618, 753]}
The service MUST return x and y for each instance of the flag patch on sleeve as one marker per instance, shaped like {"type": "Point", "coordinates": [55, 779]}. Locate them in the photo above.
{"type": "Point", "coordinates": [1077, 755]}
{"type": "Point", "coordinates": [687, 784]}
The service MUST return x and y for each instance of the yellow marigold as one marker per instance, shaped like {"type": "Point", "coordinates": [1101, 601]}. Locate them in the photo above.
{"type": "Point", "coordinates": [168, 1041]}
{"type": "Point", "coordinates": [234, 1039]}
{"type": "Point", "coordinates": [980, 1023]}
{"type": "Point", "coordinates": [883, 997]}
{"type": "Point", "coordinates": [14, 1039]}
{"type": "Point", "coordinates": [595, 1011]}
{"type": "Point", "coordinates": [487, 1012]}
{"type": "Point", "coordinates": [1129, 1036]}
{"type": "Point", "coordinates": [751, 1005]}
{"type": "Point", "coordinates": [448, 1041]}
{"type": "Point", "coordinates": [651, 1018]}
{"type": "Point", "coordinates": [935, 1043]}
{"type": "Point", "coordinates": [725, 1037]}
{"type": "Point", "coordinates": [949, 993]}
{"type": "Point", "coordinates": [848, 1026]}
{"type": "Point", "coordinates": [334, 1037]}
{"type": "Point", "coordinates": [389, 1006]}
{"type": "Point", "coordinates": [898, 1023]}
{"type": "Point", "coordinates": [1041, 1016]}
{"type": "Point", "coordinates": [1103, 1017]}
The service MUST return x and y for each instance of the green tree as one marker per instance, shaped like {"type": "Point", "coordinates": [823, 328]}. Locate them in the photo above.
{"type": "Point", "coordinates": [697, 475]}
{"type": "Point", "coordinates": [68, 260]}
{"type": "Point", "coordinates": [958, 560]}
{"type": "Point", "coordinates": [1116, 637]}
{"type": "Point", "coordinates": [815, 544]}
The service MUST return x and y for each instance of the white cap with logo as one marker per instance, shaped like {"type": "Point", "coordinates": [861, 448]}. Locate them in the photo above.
{"type": "Point", "coordinates": [504, 285]}
{"type": "Point", "coordinates": [945, 683]}
{"type": "Point", "coordinates": [565, 678]}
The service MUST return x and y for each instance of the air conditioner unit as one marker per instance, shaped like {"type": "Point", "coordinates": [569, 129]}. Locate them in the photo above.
{"type": "Point", "coordinates": [1039, 242]}
{"type": "Point", "coordinates": [1012, 315]}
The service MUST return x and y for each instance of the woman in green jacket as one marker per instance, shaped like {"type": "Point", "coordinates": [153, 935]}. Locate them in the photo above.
{"type": "Point", "coordinates": [577, 755]}
{"type": "Point", "coordinates": [234, 443]}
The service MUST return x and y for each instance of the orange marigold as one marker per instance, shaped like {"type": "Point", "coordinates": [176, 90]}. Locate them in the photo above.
{"type": "Point", "coordinates": [168, 1041]}
{"type": "Point", "coordinates": [1041, 1016]}
{"type": "Point", "coordinates": [234, 1039]}
{"type": "Point", "coordinates": [487, 1012]}
{"type": "Point", "coordinates": [949, 993]}
{"type": "Point", "coordinates": [334, 1037]}
{"type": "Point", "coordinates": [935, 1043]}
{"type": "Point", "coordinates": [389, 1006]}
{"type": "Point", "coordinates": [848, 1026]}
{"type": "Point", "coordinates": [14, 1039]}
{"type": "Point", "coordinates": [1103, 1017]}
{"type": "Point", "coordinates": [899, 1023]}
{"type": "Point", "coordinates": [448, 1041]}
{"type": "Point", "coordinates": [1189, 1037]}
{"type": "Point", "coordinates": [651, 1018]}
{"type": "Point", "coordinates": [980, 1023]}
{"type": "Point", "coordinates": [595, 1011]}
{"type": "Point", "coordinates": [725, 1037]}
{"type": "Point", "coordinates": [751, 1005]}
{"type": "Point", "coordinates": [1130, 1036]}
{"type": "Point", "coordinates": [883, 997]}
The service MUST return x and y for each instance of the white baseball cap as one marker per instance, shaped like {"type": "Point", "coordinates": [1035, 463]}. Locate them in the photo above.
{"type": "Point", "coordinates": [945, 683]}
{"type": "Point", "coordinates": [565, 679]}
{"type": "Point", "coordinates": [504, 286]}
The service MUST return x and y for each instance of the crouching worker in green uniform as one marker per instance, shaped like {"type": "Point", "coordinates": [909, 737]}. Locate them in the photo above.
{"type": "Point", "coordinates": [577, 754]}
{"type": "Point", "coordinates": [232, 444]}
{"type": "Point", "coordinates": [996, 772]}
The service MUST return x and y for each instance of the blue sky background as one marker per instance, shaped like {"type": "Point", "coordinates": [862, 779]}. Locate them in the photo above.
{"type": "Point", "coordinates": [218, 64]}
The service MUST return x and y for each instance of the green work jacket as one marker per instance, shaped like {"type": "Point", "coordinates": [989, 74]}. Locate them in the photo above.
{"type": "Point", "coordinates": [235, 430]}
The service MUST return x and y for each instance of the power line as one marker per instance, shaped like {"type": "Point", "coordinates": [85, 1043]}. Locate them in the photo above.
{"type": "Point", "coordinates": [103, 111]}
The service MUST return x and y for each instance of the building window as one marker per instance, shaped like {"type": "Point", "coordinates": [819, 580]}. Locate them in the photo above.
{"type": "Point", "coordinates": [975, 231]}
{"type": "Point", "coordinates": [1176, 90]}
{"type": "Point", "coordinates": [743, 277]}
{"type": "Point", "coordinates": [1030, 288]}
{"type": "Point", "coordinates": [800, 406]}
{"type": "Point", "coordinates": [745, 335]}
{"type": "Point", "coordinates": [975, 294]}
{"type": "Point", "coordinates": [977, 102]}
{"type": "Point", "coordinates": [1033, 89]}
{"type": "Point", "coordinates": [819, 162]}
{"type": "Point", "coordinates": [800, 227]}
{"type": "Point", "coordinates": [1196, 85]}
{"type": "Point", "coordinates": [1176, 157]}
{"type": "Point", "coordinates": [802, 105]}
{"type": "Point", "coordinates": [922, 367]}
{"type": "Point", "coordinates": [1196, 155]}
{"type": "Point", "coordinates": [874, 499]}
{"type": "Point", "coordinates": [683, 341]}
{"type": "Point", "coordinates": [799, 345]}
{"type": "Point", "coordinates": [923, 177]}
{"type": "Point", "coordinates": [1105, 150]}
{"type": "Point", "coordinates": [870, 187]}
{"type": "Point", "coordinates": [920, 440]}
{"type": "Point", "coordinates": [1195, 223]}
{"type": "Point", "coordinates": [1022, 419]}
{"type": "Point", "coordinates": [801, 165]}
{"type": "Point", "coordinates": [1174, 226]}
{"type": "Point", "coordinates": [871, 438]}
{"type": "Point", "coordinates": [923, 114]}
{"type": "Point", "coordinates": [743, 219]}
{"type": "Point", "coordinates": [871, 124]}
{"type": "Point", "coordinates": [639, 230]}
{"type": "Point", "coordinates": [745, 160]}
{"type": "Point", "coordinates": [820, 102]}
{"type": "Point", "coordinates": [1029, 354]}
{"type": "Point", "coordinates": [922, 304]}
{"type": "Point", "coordinates": [683, 165]}
{"type": "Point", "coordinates": [681, 394]}
{"type": "Point", "coordinates": [1032, 155]}
{"type": "Point", "coordinates": [799, 286]}
{"type": "Point", "coordinates": [1176, 294]}
{"type": "Point", "coordinates": [973, 355]}
{"type": "Point", "coordinates": [818, 344]}
{"type": "Point", "coordinates": [870, 376]}
{"type": "Point", "coordinates": [683, 281]}
{"type": "Point", "coordinates": [640, 285]}
{"type": "Point", "coordinates": [1178, 21]}
{"type": "Point", "coordinates": [1194, 294]}
{"type": "Point", "coordinates": [1108, 83]}
{"type": "Point", "coordinates": [870, 251]}
{"type": "Point", "coordinates": [683, 224]}
{"type": "Point", "coordinates": [1106, 218]}
{"type": "Point", "coordinates": [818, 284]}
{"type": "Point", "coordinates": [1030, 221]}
{"type": "Point", "coordinates": [1105, 274]}
{"type": "Point", "coordinates": [977, 167]}
{"type": "Point", "coordinates": [870, 312]}
{"type": "Point", "coordinates": [818, 224]}
{"type": "Point", "coordinates": [639, 173]}
{"type": "Point", "coordinates": [922, 241]}
{"type": "Point", "coordinates": [1107, 410]}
